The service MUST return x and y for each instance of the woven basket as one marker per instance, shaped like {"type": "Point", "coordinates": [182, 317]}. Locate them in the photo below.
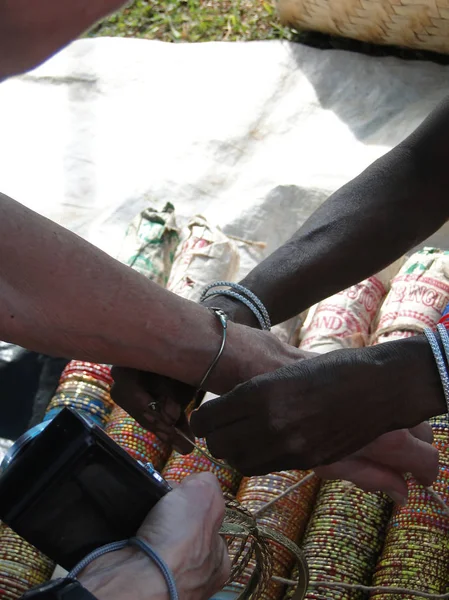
{"type": "Point", "coordinates": [417, 24]}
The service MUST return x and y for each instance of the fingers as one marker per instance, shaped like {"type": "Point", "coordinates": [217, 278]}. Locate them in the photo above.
{"type": "Point", "coordinates": [405, 453]}
{"type": "Point", "coordinates": [179, 442]}
{"type": "Point", "coordinates": [136, 391]}
{"type": "Point", "coordinates": [190, 514]}
{"type": "Point", "coordinates": [195, 499]}
{"type": "Point", "coordinates": [368, 476]}
{"type": "Point", "coordinates": [222, 411]}
{"type": "Point", "coordinates": [128, 392]}
{"type": "Point", "coordinates": [424, 432]}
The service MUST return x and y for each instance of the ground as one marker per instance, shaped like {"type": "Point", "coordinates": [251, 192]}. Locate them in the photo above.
{"type": "Point", "coordinates": [230, 20]}
{"type": "Point", "coordinates": [196, 21]}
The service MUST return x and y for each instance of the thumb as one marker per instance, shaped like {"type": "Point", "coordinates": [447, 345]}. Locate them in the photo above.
{"type": "Point", "coordinates": [204, 495]}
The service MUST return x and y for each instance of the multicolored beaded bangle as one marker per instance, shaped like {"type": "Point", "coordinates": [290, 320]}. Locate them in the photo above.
{"type": "Point", "coordinates": [178, 467]}
{"type": "Point", "coordinates": [138, 442]}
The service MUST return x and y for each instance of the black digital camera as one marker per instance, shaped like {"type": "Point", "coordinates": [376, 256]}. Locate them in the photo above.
{"type": "Point", "coordinates": [68, 488]}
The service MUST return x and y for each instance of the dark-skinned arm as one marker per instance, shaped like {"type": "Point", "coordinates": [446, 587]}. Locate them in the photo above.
{"type": "Point", "coordinates": [393, 205]}
{"type": "Point", "coordinates": [367, 224]}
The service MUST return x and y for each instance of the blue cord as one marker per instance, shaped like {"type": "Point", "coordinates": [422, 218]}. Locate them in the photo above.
{"type": "Point", "coordinates": [168, 576]}
{"type": "Point", "coordinates": [142, 545]}
{"type": "Point", "coordinates": [243, 300]}
{"type": "Point", "coordinates": [245, 296]}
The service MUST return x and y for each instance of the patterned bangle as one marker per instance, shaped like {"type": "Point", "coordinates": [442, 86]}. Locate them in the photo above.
{"type": "Point", "coordinates": [441, 365]}
{"type": "Point", "coordinates": [142, 545]}
{"type": "Point", "coordinates": [444, 337]}
{"type": "Point", "coordinates": [244, 295]}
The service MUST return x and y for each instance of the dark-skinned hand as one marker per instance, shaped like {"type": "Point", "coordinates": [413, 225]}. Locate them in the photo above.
{"type": "Point", "coordinates": [319, 411]}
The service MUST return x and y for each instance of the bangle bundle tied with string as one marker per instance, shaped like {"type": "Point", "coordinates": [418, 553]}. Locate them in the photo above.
{"type": "Point", "coordinates": [344, 320]}
{"type": "Point", "coordinates": [280, 506]}
{"type": "Point", "coordinates": [347, 526]}
{"type": "Point", "coordinates": [204, 254]}
{"type": "Point", "coordinates": [417, 298]}
{"type": "Point", "coordinates": [416, 553]}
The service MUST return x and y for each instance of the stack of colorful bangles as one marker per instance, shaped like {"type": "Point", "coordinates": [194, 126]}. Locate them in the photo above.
{"type": "Point", "coordinates": [85, 387]}
{"type": "Point", "coordinates": [179, 466]}
{"type": "Point", "coordinates": [344, 538]}
{"type": "Point", "coordinates": [416, 551]}
{"type": "Point", "coordinates": [288, 516]}
{"type": "Point", "coordinates": [21, 565]}
{"type": "Point", "coordinates": [141, 444]}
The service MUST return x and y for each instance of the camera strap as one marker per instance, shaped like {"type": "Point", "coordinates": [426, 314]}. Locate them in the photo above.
{"type": "Point", "coordinates": [138, 543]}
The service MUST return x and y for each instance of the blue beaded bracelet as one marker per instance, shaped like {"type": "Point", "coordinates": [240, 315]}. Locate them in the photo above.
{"type": "Point", "coordinates": [241, 293]}
{"type": "Point", "coordinates": [439, 359]}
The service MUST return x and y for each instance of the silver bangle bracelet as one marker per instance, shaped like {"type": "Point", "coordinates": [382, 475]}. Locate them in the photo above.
{"type": "Point", "coordinates": [223, 318]}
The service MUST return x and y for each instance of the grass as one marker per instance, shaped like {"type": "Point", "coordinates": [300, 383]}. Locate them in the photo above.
{"type": "Point", "coordinates": [229, 20]}
{"type": "Point", "coordinates": [195, 21]}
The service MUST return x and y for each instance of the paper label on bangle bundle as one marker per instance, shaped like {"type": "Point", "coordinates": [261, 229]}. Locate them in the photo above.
{"type": "Point", "coordinates": [150, 244]}
{"type": "Point", "coordinates": [418, 296]}
{"type": "Point", "coordinates": [206, 255]}
{"type": "Point", "coordinates": [289, 331]}
{"type": "Point", "coordinates": [344, 320]}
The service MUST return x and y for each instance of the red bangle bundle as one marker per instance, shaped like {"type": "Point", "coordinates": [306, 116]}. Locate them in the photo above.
{"type": "Point", "coordinates": [289, 516]}
{"type": "Point", "coordinates": [178, 467]}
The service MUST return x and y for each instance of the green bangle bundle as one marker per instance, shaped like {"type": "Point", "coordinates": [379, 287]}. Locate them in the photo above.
{"type": "Point", "coordinates": [344, 538]}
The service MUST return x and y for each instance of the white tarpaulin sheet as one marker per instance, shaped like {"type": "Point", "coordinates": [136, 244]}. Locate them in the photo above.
{"type": "Point", "coordinates": [252, 135]}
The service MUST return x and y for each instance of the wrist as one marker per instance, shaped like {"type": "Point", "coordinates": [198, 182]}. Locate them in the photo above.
{"type": "Point", "coordinates": [411, 360]}
{"type": "Point", "coordinates": [236, 311]}
{"type": "Point", "coordinates": [124, 575]}
{"type": "Point", "coordinates": [248, 353]}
